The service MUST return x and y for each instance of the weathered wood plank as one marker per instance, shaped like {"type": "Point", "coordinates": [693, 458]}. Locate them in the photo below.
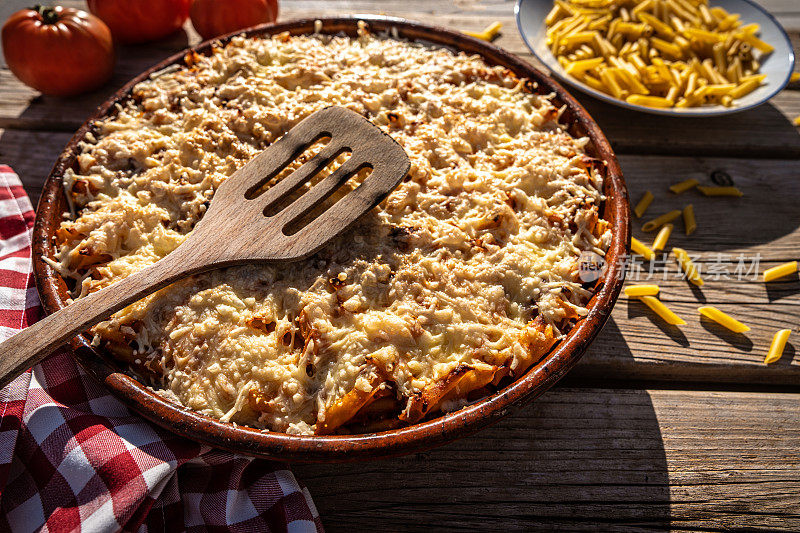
{"type": "Point", "coordinates": [588, 459]}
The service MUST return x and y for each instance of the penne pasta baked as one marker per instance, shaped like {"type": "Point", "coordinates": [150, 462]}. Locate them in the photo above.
{"type": "Point", "coordinates": [464, 277]}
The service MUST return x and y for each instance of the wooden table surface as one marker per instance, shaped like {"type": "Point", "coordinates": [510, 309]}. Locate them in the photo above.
{"type": "Point", "coordinates": [657, 427]}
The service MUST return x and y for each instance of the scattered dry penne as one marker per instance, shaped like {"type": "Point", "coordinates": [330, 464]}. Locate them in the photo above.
{"type": "Point", "coordinates": [720, 191]}
{"type": "Point", "coordinates": [643, 204]}
{"type": "Point", "coordinates": [663, 236]}
{"type": "Point", "coordinates": [795, 77]}
{"type": "Point", "coordinates": [684, 186]}
{"type": "Point", "coordinates": [689, 222]}
{"type": "Point", "coordinates": [662, 310]}
{"type": "Point", "coordinates": [657, 53]}
{"type": "Point", "coordinates": [786, 269]}
{"type": "Point", "coordinates": [777, 346]}
{"type": "Point", "coordinates": [687, 266]}
{"type": "Point", "coordinates": [723, 319]}
{"type": "Point", "coordinates": [656, 223]}
{"type": "Point", "coordinates": [642, 249]}
{"type": "Point", "coordinates": [635, 291]}
{"type": "Point", "coordinates": [488, 33]}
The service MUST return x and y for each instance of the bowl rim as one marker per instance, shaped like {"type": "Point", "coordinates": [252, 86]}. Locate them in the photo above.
{"type": "Point", "coordinates": [696, 112]}
{"type": "Point", "coordinates": [342, 448]}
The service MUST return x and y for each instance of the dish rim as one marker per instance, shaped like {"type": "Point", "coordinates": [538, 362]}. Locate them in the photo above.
{"type": "Point", "coordinates": [343, 448]}
{"type": "Point", "coordinates": [696, 112]}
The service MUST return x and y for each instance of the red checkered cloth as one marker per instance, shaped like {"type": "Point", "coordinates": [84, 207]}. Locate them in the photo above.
{"type": "Point", "coordinates": [74, 458]}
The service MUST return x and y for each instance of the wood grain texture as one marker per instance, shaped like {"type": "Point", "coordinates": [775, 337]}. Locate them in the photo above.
{"type": "Point", "coordinates": [588, 459]}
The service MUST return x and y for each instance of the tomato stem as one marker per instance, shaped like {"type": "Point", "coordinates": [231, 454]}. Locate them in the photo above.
{"type": "Point", "coordinates": [48, 14]}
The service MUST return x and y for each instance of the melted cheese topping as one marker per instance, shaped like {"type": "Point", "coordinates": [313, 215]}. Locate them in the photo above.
{"type": "Point", "coordinates": [481, 238]}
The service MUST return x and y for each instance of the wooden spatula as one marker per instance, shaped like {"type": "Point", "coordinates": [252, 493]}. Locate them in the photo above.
{"type": "Point", "coordinates": [236, 229]}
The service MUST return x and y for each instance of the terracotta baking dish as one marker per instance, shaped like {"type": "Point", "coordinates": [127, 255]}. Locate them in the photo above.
{"type": "Point", "coordinates": [53, 290]}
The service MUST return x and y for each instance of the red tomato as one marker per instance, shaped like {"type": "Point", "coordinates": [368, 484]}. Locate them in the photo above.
{"type": "Point", "coordinates": [58, 51]}
{"type": "Point", "coordinates": [137, 21]}
{"type": "Point", "coordinates": [217, 17]}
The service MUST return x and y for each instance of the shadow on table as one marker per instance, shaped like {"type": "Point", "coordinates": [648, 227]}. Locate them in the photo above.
{"type": "Point", "coordinates": [757, 150]}
{"type": "Point", "coordinates": [576, 458]}
{"type": "Point", "coordinates": [763, 131]}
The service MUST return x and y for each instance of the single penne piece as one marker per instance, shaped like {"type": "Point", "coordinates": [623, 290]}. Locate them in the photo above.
{"type": "Point", "coordinates": [577, 68]}
{"type": "Point", "coordinates": [720, 191]}
{"type": "Point", "coordinates": [674, 93]}
{"type": "Point", "coordinates": [640, 248]}
{"type": "Point", "coordinates": [689, 222]}
{"type": "Point", "coordinates": [796, 120]}
{"type": "Point", "coordinates": [723, 319]}
{"type": "Point", "coordinates": [635, 291]}
{"type": "Point", "coordinates": [705, 36]}
{"type": "Point", "coordinates": [643, 204]}
{"type": "Point", "coordinates": [745, 87]}
{"type": "Point", "coordinates": [656, 223]}
{"type": "Point", "coordinates": [795, 77]}
{"type": "Point", "coordinates": [553, 15]}
{"type": "Point", "coordinates": [661, 27]}
{"type": "Point", "coordinates": [685, 262]}
{"type": "Point", "coordinates": [719, 89]}
{"type": "Point", "coordinates": [759, 77]}
{"type": "Point", "coordinates": [611, 84]}
{"type": "Point", "coordinates": [663, 236]}
{"type": "Point", "coordinates": [662, 310]}
{"type": "Point", "coordinates": [752, 29]}
{"type": "Point", "coordinates": [777, 346]}
{"type": "Point", "coordinates": [755, 42]}
{"type": "Point", "coordinates": [572, 39]}
{"type": "Point", "coordinates": [672, 50]}
{"type": "Point", "coordinates": [780, 271]}
{"type": "Point", "coordinates": [684, 186]}
{"type": "Point", "coordinates": [594, 83]}
{"type": "Point", "coordinates": [705, 15]}
{"type": "Point", "coordinates": [649, 101]}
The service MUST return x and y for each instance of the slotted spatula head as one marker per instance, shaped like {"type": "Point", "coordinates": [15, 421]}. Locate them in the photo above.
{"type": "Point", "coordinates": [236, 219]}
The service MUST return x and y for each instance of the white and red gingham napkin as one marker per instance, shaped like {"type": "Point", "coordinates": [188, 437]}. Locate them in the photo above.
{"type": "Point", "coordinates": [73, 458]}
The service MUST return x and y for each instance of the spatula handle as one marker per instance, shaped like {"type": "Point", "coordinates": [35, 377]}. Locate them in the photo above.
{"type": "Point", "coordinates": [31, 345]}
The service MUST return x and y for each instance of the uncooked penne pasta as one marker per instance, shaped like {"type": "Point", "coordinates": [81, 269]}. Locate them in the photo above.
{"type": "Point", "coordinates": [685, 262]}
{"type": "Point", "coordinates": [577, 68]}
{"type": "Point", "coordinates": [649, 101]}
{"type": "Point", "coordinates": [689, 222]}
{"type": "Point", "coordinates": [777, 346]}
{"type": "Point", "coordinates": [663, 236]}
{"type": "Point", "coordinates": [635, 291]}
{"type": "Point", "coordinates": [780, 271]}
{"type": "Point", "coordinates": [723, 319]}
{"type": "Point", "coordinates": [640, 248]}
{"type": "Point", "coordinates": [720, 191]}
{"type": "Point", "coordinates": [662, 310]}
{"type": "Point", "coordinates": [684, 186]}
{"type": "Point", "coordinates": [643, 204]}
{"type": "Point", "coordinates": [655, 42]}
{"type": "Point", "coordinates": [656, 223]}
{"type": "Point", "coordinates": [488, 33]}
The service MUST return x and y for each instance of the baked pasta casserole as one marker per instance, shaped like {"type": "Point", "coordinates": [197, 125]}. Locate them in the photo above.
{"type": "Point", "coordinates": [466, 275]}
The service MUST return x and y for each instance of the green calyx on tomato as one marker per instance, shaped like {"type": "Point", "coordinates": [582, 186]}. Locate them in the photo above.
{"type": "Point", "coordinates": [49, 15]}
